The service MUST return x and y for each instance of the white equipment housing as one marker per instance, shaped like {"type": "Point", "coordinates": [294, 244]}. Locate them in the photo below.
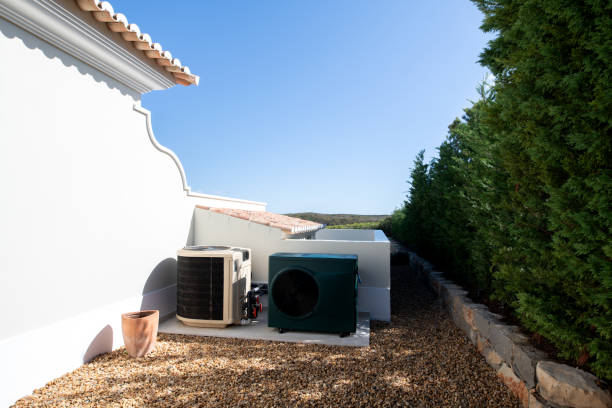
{"type": "Point", "coordinates": [212, 285]}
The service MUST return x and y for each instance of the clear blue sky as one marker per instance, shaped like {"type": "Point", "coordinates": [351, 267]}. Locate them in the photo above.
{"type": "Point", "coordinates": [311, 105]}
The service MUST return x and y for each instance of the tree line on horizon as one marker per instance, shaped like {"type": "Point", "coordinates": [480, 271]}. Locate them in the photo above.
{"type": "Point", "coordinates": [338, 219]}
{"type": "Point", "coordinates": [517, 205]}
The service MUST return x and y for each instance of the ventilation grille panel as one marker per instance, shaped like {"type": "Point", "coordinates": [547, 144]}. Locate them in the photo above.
{"type": "Point", "coordinates": [200, 287]}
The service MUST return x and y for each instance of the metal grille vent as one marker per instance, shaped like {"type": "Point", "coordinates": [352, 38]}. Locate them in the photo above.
{"type": "Point", "coordinates": [295, 292]}
{"type": "Point", "coordinates": [200, 288]}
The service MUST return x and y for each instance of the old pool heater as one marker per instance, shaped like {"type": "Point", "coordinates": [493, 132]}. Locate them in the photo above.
{"type": "Point", "coordinates": [213, 286]}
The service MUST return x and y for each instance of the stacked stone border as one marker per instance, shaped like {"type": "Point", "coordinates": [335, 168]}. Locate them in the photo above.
{"type": "Point", "coordinates": [527, 371]}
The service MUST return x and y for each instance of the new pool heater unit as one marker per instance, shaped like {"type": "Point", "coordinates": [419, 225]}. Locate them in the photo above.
{"type": "Point", "coordinates": [313, 292]}
{"type": "Point", "coordinates": [213, 286]}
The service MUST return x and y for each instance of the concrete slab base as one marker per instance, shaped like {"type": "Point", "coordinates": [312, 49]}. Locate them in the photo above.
{"type": "Point", "coordinates": [259, 330]}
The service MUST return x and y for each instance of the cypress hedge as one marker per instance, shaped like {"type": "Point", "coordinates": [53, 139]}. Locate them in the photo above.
{"type": "Point", "coordinates": [517, 205]}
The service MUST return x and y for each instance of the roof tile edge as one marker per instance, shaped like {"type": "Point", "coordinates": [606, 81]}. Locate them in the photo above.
{"type": "Point", "coordinates": [251, 217]}
{"type": "Point", "coordinates": [117, 22]}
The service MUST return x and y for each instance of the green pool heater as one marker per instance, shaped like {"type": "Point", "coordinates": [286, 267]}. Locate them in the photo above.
{"type": "Point", "coordinates": [313, 292]}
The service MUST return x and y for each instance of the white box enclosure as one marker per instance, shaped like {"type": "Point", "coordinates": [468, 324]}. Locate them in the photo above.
{"type": "Point", "coordinates": [371, 246]}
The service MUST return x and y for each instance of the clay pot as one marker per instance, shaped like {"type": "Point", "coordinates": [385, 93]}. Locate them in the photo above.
{"type": "Point", "coordinates": [140, 331]}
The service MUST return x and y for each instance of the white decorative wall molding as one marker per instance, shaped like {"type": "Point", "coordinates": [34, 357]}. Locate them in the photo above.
{"type": "Point", "coordinates": [61, 28]}
{"type": "Point", "coordinates": [229, 199]}
{"type": "Point", "coordinates": [147, 114]}
{"type": "Point", "coordinates": [138, 108]}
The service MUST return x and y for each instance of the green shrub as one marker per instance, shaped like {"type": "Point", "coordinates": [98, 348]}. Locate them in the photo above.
{"type": "Point", "coordinates": [553, 66]}
{"type": "Point", "coordinates": [356, 225]}
{"type": "Point", "coordinates": [517, 203]}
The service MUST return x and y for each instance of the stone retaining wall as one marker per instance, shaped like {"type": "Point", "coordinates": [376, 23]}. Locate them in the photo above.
{"type": "Point", "coordinates": [535, 380]}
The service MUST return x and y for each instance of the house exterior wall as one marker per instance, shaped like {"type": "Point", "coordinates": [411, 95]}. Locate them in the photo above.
{"type": "Point", "coordinates": [211, 228]}
{"type": "Point", "coordinates": [91, 214]}
{"type": "Point", "coordinates": [84, 187]}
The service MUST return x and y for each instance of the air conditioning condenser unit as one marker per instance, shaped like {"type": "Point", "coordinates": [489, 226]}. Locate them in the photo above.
{"type": "Point", "coordinates": [213, 285]}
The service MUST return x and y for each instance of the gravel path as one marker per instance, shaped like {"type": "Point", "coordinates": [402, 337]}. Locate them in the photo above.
{"type": "Point", "coordinates": [420, 360]}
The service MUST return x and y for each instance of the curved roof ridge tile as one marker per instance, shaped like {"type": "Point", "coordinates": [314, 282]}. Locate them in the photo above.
{"type": "Point", "coordinates": [290, 225]}
{"type": "Point", "coordinates": [117, 22]}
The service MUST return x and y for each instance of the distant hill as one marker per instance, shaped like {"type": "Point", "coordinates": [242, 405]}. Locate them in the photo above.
{"type": "Point", "coordinates": [338, 219]}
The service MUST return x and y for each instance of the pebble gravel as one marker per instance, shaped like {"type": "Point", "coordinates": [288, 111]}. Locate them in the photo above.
{"type": "Point", "coordinates": [420, 359]}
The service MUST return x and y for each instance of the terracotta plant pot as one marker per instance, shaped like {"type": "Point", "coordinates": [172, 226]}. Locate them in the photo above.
{"type": "Point", "coordinates": [140, 331]}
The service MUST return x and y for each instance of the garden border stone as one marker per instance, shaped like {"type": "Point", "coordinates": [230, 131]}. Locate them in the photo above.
{"type": "Point", "coordinates": [537, 383]}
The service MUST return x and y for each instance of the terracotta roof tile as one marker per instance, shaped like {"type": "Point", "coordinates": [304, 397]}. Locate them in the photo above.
{"type": "Point", "coordinates": [117, 22]}
{"type": "Point", "coordinates": [289, 225]}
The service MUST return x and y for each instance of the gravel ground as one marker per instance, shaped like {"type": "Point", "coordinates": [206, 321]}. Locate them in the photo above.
{"type": "Point", "coordinates": [419, 360]}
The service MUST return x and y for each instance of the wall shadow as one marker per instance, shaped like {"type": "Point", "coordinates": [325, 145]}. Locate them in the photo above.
{"type": "Point", "coordinates": [163, 275]}
{"type": "Point", "coordinates": [10, 30]}
{"type": "Point", "coordinates": [102, 343]}
{"type": "Point", "coordinates": [191, 235]}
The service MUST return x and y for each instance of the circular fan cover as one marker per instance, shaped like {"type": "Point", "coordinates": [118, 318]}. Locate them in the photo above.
{"type": "Point", "coordinates": [295, 292]}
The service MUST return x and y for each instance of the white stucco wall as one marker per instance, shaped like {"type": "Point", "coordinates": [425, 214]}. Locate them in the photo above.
{"type": "Point", "coordinates": [346, 234]}
{"type": "Point", "coordinates": [211, 228]}
{"type": "Point", "coordinates": [91, 213]}
{"type": "Point", "coordinates": [374, 257]}
{"type": "Point", "coordinates": [84, 188]}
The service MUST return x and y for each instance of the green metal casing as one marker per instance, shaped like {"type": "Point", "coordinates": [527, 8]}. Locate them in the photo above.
{"type": "Point", "coordinates": [336, 278]}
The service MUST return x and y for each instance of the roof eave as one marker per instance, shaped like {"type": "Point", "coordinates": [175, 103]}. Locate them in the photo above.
{"type": "Point", "coordinates": [64, 25]}
{"type": "Point", "coordinates": [103, 12]}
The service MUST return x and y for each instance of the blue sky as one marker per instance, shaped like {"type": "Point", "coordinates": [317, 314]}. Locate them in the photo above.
{"type": "Point", "coordinates": [311, 105]}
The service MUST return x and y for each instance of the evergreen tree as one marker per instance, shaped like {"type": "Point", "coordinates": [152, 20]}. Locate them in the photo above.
{"type": "Point", "coordinates": [553, 66]}
{"type": "Point", "coordinates": [517, 203]}
{"type": "Point", "coordinates": [413, 232]}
